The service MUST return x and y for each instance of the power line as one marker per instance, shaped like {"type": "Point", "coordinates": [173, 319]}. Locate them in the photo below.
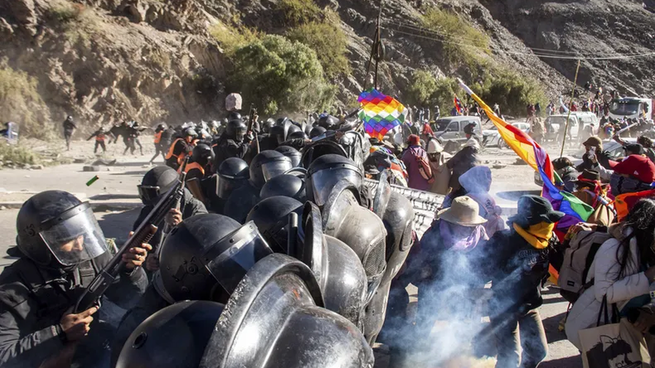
{"type": "Point", "coordinates": [537, 54]}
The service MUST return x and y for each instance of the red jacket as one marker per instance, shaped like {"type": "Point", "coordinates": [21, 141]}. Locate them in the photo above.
{"type": "Point", "coordinates": [637, 166]}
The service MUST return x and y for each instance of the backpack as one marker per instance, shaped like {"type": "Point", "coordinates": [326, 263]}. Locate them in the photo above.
{"type": "Point", "coordinates": [423, 166]}
{"type": "Point", "coordinates": [578, 256]}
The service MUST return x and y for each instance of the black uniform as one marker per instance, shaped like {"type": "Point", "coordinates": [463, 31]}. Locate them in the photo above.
{"type": "Point", "coordinates": [33, 299]}
{"type": "Point", "coordinates": [189, 206]}
{"type": "Point", "coordinates": [226, 148]}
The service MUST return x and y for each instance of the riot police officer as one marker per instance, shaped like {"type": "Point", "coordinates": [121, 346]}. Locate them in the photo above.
{"type": "Point", "coordinates": [231, 174]}
{"type": "Point", "coordinates": [155, 182]}
{"type": "Point", "coordinates": [204, 258]}
{"type": "Point", "coordinates": [233, 141]}
{"type": "Point", "coordinates": [60, 248]}
{"type": "Point", "coordinates": [265, 166]}
{"type": "Point", "coordinates": [201, 159]}
{"type": "Point", "coordinates": [291, 153]}
{"type": "Point", "coordinates": [276, 320]}
{"type": "Point", "coordinates": [180, 148]}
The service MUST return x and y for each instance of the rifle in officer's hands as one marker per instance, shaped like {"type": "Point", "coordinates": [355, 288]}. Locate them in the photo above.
{"type": "Point", "coordinates": [111, 272]}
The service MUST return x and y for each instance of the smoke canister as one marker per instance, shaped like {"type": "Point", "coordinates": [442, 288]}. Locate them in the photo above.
{"type": "Point", "coordinates": [93, 180]}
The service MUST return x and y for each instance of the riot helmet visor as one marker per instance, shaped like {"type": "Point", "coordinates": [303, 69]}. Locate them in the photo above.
{"type": "Point", "coordinates": [225, 186]}
{"type": "Point", "coordinates": [275, 168]}
{"type": "Point", "coordinates": [323, 181]}
{"type": "Point", "coordinates": [245, 247]}
{"type": "Point", "coordinates": [75, 236]}
{"type": "Point", "coordinates": [149, 193]}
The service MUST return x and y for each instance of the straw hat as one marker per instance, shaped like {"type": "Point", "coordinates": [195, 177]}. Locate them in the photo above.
{"type": "Point", "coordinates": [464, 211]}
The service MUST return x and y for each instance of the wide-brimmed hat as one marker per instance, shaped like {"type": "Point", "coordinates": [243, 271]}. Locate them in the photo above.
{"type": "Point", "coordinates": [533, 210]}
{"type": "Point", "coordinates": [463, 211]}
{"type": "Point", "coordinates": [593, 141]}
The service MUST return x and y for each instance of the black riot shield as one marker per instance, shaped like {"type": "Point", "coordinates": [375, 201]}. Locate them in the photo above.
{"type": "Point", "coordinates": [382, 195]}
{"type": "Point", "coordinates": [275, 319]}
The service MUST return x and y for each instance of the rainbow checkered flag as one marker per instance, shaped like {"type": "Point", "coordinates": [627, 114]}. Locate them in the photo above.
{"type": "Point", "coordinates": [380, 113]}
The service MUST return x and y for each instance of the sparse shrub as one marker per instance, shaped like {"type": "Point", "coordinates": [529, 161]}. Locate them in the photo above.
{"type": "Point", "coordinates": [276, 74]}
{"type": "Point", "coordinates": [299, 11]}
{"type": "Point", "coordinates": [232, 39]}
{"type": "Point", "coordinates": [328, 41]}
{"type": "Point", "coordinates": [64, 12]}
{"type": "Point", "coordinates": [17, 154]}
{"type": "Point", "coordinates": [462, 43]}
{"type": "Point", "coordinates": [512, 91]}
{"type": "Point", "coordinates": [20, 102]}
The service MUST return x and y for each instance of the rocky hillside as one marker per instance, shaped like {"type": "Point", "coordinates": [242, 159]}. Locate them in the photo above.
{"type": "Point", "coordinates": [160, 60]}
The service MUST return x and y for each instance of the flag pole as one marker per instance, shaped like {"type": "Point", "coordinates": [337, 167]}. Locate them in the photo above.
{"type": "Point", "coordinates": [575, 82]}
{"type": "Point", "coordinates": [377, 53]}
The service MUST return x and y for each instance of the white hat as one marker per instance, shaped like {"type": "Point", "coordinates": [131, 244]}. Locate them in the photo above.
{"type": "Point", "coordinates": [434, 146]}
{"type": "Point", "coordinates": [463, 211]}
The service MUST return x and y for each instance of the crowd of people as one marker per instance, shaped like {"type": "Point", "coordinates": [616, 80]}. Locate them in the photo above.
{"type": "Point", "coordinates": [279, 254]}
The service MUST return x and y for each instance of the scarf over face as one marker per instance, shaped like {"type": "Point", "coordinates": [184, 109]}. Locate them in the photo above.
{"type": "Point", "coordinates": [461, 238]}
{"type": "Point", "coordinates": [537, 235]}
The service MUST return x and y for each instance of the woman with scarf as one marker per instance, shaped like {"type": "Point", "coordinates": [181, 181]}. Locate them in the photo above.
{"type": "Point", "coordinates": [418, 165]}
{"type": "Point", "coordinates": [445, 270]}
{"type": "Point", "coordinates": [516, 261]}
{"type": "Point", "coordinates": [477, 183]}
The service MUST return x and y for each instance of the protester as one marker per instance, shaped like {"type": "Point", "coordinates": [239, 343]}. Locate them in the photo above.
{"type": "Point", "coordinates": [634, 173]}
{"type": "Point", "coordinates": [516, 261]}
{"type": "Point", "coordinates": [444, 253]}
{"type": "Point", "coordinates": [463, 160]}
{"type": "Point", "coordinates": [418, 165]}
{"type": "Point", "coordinates": [441, 172]}
{"type": "Point", "coordinates": [622, 271]}
{"type": "Point", "coordinates": [477, 183]}
{"type": "Point", "coordinates": [590, 160]}
{"type": "Point", "coordinates": [566, 171]}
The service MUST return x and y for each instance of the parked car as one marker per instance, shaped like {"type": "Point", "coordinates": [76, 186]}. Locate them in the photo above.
{"type": "Point", "coordinates": [450, 130]}
{"type": "Point", "coordinates": [613, 149]}
{"type": "Point", "coordinates": [491, 137]}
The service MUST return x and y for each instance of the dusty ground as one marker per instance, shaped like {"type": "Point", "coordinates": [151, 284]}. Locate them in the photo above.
{"type": "Point", "coordinates": [118, 184]}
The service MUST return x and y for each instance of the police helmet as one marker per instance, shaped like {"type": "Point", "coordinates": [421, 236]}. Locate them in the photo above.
{"type": "Point", "coordinates": [234, 116]}
{"type": "Point", "coordinates": [202, 154]}
{"type": "Point", "coordinates": [174, 337]}
{"type": "Point", "coordinates": [56, 230]}
{"type": "Point", "coordinates": [284, 185]}
{"type": "Point", "coordinates": [271, 216]}
{"type": "Point", "coordinates": [316, 132]}
{"type": "Point", "coordinates": [236, 130]}
{"type": "Point", "coordinates": [267, 165]}
{"type": "Point", "coordinates": [326, 171]}
{"type": "Point", "coordinates": [298, 135]}
{"type": "Point", "coordinates": [156, 182]}
{"type": "Point", "coordinates": [291, 153]}
{"type": "Point", "coordinates": [328, 122]}
{"type": "Point", "coordinates": [205, 257]}
{"type": "Point", "coordinates": [232, 173]}
{"type": "Point", "coordinates": [190, 132]}
{"type": "Point", "coordinates": [268, 125]}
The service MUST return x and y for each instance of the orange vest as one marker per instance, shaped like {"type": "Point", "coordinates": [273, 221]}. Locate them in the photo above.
{"type": "Point", "coordinates": [157, 137]}
{"type": "Point", "coordinates": [100, 137]}
{"type": "Point", "coordinates": [194, 165]}
{"type": "Point", "coordinates": [170, 154]}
